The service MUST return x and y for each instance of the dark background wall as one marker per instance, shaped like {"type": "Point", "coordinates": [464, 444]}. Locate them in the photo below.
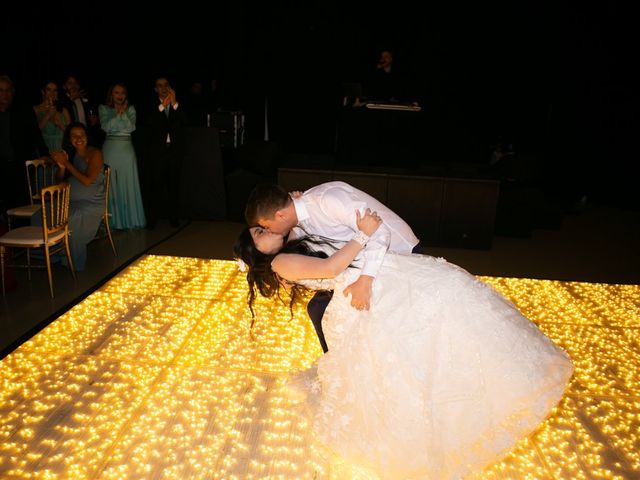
{"type": "Point", "coordinates": [556, 78]}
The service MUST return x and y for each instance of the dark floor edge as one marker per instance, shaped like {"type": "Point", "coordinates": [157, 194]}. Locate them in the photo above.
{"type": "Point", "coordinates": [67, 306]}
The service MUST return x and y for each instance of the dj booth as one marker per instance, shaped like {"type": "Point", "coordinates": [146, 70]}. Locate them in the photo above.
{"type": "Point", "coordinates": [381, 134]}
{"type": "Point", "coordinates": [230, 125]}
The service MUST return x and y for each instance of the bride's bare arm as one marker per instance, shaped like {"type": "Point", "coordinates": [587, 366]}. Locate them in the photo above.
{"type": "Point", "coordinates": [295, 267]}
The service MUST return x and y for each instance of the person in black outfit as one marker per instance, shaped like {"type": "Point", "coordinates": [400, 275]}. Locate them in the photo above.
{"type": "Point", "coordinates": [164, 152]}
{"type": "Point", "coordinates": [385, 83]}
{"type": "Point", "coordinates": [390, 84]}
{"type": "Point", "coordinates": [82, 109]}
{"type": "Point", "coordinates": [20, 140]}
{"type": "Point", "coordinates": [195, 106]}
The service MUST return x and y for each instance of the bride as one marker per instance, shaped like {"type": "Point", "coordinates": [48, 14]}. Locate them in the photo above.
{"type": "Point", "coordinates": [440, 378]}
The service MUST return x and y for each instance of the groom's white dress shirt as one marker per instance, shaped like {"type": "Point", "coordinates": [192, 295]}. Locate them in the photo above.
{"type": "Point", "coordinates": [329, 210]}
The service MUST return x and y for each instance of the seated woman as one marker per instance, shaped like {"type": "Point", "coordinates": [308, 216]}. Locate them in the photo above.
{"type": "Point", "coordinates": [81, 165]}
{"type": "Point", "coordinates": [440, 378]}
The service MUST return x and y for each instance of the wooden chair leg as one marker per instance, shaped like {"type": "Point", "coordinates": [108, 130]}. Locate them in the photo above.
{"type": "Point", "coordinates": [2, 252]}
{"type": "Point", "coordinates": [108, 229]}
{"type": "Point", "coordinates": [29, 264]}
{"type": "Point", "coordinates": [69, 259]}
{"type": "Point", "coordinates": [47, 257]}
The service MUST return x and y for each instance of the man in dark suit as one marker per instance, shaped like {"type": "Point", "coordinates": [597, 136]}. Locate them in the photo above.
{"type": "Point", "coordinates": [20, 140]}
{"type": "Point", "coordinates": [163, 154]}
{"type": "Point", "coordinates": [82, 110]}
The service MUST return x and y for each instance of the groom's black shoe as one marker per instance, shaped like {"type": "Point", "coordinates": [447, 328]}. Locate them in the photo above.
{"type": "Point", "coordinates": [419, 248]}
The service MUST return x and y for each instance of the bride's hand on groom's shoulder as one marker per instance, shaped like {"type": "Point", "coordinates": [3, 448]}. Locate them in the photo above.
{"type": "Point", "coordinates": [295, 194]}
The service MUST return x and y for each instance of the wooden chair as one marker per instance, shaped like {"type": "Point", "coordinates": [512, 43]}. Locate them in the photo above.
{"type": "Point", "coordinates": [52, 236]}
{"type": "Point", "coordinates": [40, 173]}
{"type": "Point", "coordinates": [106, 214]}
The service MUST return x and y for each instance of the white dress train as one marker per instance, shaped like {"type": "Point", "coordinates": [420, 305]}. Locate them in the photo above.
{"type": "Point", "coordinates": [438, 380]}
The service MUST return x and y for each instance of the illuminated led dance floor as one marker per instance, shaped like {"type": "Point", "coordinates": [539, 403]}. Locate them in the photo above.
{"type": "Point", "coordinates": [156, 375]}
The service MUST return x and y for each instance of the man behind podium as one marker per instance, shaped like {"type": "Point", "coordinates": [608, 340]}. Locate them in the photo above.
{"type": "Point", "coordinates": [385, 83]}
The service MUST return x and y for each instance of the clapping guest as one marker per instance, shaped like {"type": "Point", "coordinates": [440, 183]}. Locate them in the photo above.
{"type": "Point", "coordinates": [52, 117]}
{"type": "Point", "coordinates": [82, 109]}
{"type": "Point", "coordinates": [81, 165]}
{"type": "Point", "coordinates": [118, 120]}
{"type": "Point", "coordinates": [165, 151]}
{"type": "Point", "coordinates": [78, 103]}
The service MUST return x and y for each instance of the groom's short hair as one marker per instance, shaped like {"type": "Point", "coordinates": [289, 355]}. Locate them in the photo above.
{"type": "Point", "coordinates": [264, 201]}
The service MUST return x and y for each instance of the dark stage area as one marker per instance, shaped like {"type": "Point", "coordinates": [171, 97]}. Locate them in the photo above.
{"type": "Point", "coordinates": [535, 102]}
{"type": "Point", "coordinates": [550, 82]}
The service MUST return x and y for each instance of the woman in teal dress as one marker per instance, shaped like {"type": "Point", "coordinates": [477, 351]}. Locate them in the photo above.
{"type": "Point", "coordinates": [82, 166]}
{"type": "Point", "coordinates": [118, 120]}
{"type": "Point", "coordinates": [52, 117]}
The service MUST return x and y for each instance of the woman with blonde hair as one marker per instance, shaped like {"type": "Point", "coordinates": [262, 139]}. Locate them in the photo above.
{"type": "Point", "coordinates": [118, 120]}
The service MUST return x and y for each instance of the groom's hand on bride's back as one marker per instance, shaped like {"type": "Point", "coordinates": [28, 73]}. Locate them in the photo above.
{"type": "Point", "coordinates": [360, 291]}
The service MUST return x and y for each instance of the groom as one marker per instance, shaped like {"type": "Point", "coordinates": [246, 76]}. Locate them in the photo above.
{"type": "Point", "coordinates": [328, 210]}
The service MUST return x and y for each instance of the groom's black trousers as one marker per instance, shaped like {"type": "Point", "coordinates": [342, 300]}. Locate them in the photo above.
{"type": "Point", "coordinates": [316, 307]}
{"type": "Point", "coordinates": [318, 304]}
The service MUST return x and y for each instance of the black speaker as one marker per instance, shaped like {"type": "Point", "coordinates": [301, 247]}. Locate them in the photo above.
{"type": "Point", "coordinates": [231, 127]}
{"type": "Point", "coordinates": [202, 190]}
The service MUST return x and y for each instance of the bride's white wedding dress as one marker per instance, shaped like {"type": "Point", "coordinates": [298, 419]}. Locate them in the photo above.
{"type": "Point", "coordinates": [439, 379]}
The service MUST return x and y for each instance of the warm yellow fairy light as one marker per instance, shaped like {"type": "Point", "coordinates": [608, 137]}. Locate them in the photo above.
{"type": "Point", "coordinates": [158, 375]}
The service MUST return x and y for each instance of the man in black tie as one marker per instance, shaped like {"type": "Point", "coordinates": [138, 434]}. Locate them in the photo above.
{"type": "Point", "coordinates": [81, 109]}
{"type": "Point", "coordinates": [164, 151]}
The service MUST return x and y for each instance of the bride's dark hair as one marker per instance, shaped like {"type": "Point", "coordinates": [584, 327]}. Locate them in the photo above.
{"type": "Point", "coordinates": [260, 275]}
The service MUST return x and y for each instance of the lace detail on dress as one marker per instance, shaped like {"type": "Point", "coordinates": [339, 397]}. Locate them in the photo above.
{"type": "Point", "coordinates": [439, 379]}
{"type": "Point", "coordinates": [317, 283]}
